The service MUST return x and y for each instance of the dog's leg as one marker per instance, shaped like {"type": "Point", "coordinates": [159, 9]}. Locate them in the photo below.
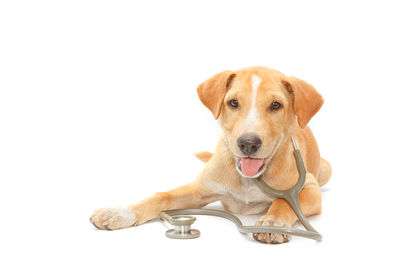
{"type": "Point", "coordinates": [192, 195]}
{"type": "Point", "coordinates": [281, 214]}
{"type": "Point", "coordinates": [325, 172]}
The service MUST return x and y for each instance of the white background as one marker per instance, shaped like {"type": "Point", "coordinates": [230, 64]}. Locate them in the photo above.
{"type": "Point", "coordinates": [98, 108]}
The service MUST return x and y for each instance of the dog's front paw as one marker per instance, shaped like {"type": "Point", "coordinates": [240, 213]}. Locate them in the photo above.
{"type": "Point", "coordinates": [113, 218]}
{"type": "Point", "coordinates": [269, 237]}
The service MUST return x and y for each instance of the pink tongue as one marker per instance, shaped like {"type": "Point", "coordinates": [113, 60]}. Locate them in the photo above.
{"type": "Point", "coordinates": [250, 166]}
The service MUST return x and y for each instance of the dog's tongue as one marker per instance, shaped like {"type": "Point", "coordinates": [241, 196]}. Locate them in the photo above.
{"type": "Point", "coordinates": [250, 166]}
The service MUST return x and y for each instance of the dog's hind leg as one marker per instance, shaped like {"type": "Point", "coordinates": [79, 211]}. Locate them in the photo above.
{"type": "Point", "coordinates": [325, 172]}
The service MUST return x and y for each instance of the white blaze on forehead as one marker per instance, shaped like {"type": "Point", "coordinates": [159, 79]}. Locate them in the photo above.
{"type": "Point", "coordinates": [252, 116]}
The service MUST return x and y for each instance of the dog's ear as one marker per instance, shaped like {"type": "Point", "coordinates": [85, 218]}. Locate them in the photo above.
{"type": "Point", "coordinates": [307, 101]}
{"type": "Point", "coordinates": [212, 92]}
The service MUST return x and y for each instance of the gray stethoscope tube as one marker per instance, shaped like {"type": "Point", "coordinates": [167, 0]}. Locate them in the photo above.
{"type": "Point", "coordinates": [182, 222]}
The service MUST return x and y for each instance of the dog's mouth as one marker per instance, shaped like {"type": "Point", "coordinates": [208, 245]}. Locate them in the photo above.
{"type": "Point", "coordinates": [250, 167]}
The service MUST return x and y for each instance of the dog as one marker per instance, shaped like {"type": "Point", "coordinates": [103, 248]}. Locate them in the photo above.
{"type": "Point", "coordinates": [258, 109]}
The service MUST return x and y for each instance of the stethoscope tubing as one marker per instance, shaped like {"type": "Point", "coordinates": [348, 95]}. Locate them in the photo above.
{"type": "Point", "coordinates": [167, 215]}
{"type": "Point", "coordinates": [291, 196]}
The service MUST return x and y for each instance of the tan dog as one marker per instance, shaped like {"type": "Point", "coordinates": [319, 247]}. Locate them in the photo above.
{"type": "Point", "coordinates": [259, 109]}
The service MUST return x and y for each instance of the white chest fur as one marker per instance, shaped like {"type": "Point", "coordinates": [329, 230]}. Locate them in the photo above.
{"type": "Point", "coordinates": [244, 199]}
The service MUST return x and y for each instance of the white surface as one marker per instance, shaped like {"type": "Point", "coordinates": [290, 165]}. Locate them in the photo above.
{"type": "Point", "coordinates": [98, 107]}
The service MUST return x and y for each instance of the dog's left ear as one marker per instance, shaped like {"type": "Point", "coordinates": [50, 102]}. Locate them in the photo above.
{"type": "Point", "coordinates": [307, 101]}
{"type": "Point", "coordinates": [212, 92]}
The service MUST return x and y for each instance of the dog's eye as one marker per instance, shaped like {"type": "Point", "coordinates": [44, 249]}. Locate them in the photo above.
{"type": "Point", "coordinates": [275, 105]}
{"type": "Point", "coordinates": [233, 103]}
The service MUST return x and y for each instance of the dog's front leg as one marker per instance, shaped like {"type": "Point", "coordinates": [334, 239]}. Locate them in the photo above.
{"type": "Point", "coordinates": [192, 195]}
{"type": "Point", "coordinates": [281, 214]}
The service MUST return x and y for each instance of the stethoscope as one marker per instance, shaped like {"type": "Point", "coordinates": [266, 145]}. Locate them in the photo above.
{"type": "Point", "coordinates": [182, 221]}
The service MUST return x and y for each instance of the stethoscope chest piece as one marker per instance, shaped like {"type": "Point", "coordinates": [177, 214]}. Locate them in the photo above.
{"type": "Point", "coordinates": [182, 230]}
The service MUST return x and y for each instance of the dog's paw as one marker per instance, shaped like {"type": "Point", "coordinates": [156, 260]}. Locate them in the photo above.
{"type": "Point", "coordinates": [269, 237]}
{"type": "Point", "coordinates": [114, 218]}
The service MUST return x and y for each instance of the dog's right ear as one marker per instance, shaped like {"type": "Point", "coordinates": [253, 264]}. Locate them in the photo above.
{"type": "Point", "coordinates": [212, 92]}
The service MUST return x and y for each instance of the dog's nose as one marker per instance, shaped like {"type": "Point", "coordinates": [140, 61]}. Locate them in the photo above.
{"type": "Point", "coordinates": [249, 144]}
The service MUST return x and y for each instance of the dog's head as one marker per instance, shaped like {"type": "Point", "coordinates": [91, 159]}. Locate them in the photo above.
{"type": "Point", "coordinates": [257, 108]}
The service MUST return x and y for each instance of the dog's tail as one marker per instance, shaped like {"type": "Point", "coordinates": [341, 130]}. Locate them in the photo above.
{"type": "Point", "coordinates": [203, 155]}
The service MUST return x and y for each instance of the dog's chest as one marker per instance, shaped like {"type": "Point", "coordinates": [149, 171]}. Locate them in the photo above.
{"type": "Point", "coordinates": [249, 192]}
{"type": "Point", "coordinates": [246, 198]}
